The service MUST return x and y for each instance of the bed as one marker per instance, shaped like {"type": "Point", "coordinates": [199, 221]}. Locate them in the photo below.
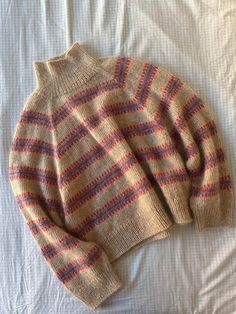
{"type": "Point", "coordinates": [190, 272]}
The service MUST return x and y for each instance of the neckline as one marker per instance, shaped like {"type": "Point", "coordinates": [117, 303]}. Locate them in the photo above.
{"type": "Point", "coordinates": [74, 66]}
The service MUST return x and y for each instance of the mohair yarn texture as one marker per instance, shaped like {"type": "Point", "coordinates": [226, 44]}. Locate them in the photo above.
{"type": "Point", "coordinates": [108, 153]}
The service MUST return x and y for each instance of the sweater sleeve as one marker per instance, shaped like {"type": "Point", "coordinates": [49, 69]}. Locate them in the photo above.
{"type": "Point", "coordinates": [192, 126]}
{"type": "Point", "coordinates": [81, 266]}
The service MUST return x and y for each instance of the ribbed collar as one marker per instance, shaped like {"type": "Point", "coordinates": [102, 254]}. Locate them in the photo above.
{"type": "Point", "coordinates": [61, 72]}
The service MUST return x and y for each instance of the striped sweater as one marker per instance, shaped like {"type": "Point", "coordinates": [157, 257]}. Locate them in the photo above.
{"type": "Point", "coordinates": [110, 152]}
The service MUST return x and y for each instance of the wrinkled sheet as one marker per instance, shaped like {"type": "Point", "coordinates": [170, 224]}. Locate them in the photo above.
{"type": "Point", "coordinates": [190, 272]}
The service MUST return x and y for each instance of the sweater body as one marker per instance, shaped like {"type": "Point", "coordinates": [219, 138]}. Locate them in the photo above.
{"type": "Point", "coordinates": [110, 153]}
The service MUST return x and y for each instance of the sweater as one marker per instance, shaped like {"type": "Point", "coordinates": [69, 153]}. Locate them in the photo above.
{"type": "Point", "coordinates": [109, 153]}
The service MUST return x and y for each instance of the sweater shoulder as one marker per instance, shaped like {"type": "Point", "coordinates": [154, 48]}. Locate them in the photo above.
{"type": "Point", "coordinates": [35, 117]}
{"type": "Point", "coordinates": [34, 123]}
{"type": "Point", "coordinates": [140, 66]}
{"type": "Point", "coordinates": [123, 67]}
{"type": "Point", "coordinates": [137, 68]}
{"type": "Point", "coordinates": [162, 76]}
{"type": "Point", "coordinates": [37, 101]}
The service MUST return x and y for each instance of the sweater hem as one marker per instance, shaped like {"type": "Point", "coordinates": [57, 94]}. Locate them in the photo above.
{"type": "Point", "coordinates": [133, 234]}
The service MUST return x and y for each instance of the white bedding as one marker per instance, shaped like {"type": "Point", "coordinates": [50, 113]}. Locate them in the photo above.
{"type": "Point", "coordinates": [190, 272]}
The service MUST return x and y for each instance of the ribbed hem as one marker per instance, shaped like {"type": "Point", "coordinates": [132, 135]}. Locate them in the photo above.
{"type": "Point", "coordinates": [163, 234]}
{"type": "Point", "coordinates": [133, 232]}
{"type": "Point", "coordinates": [158, 236]}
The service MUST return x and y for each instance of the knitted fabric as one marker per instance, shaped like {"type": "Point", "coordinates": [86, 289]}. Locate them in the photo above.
{"type": "Point", "coordinates": [108, 154]}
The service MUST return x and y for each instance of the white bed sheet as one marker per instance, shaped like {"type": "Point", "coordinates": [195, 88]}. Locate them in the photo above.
{"type": "Point", "coordinates": [190, 272]}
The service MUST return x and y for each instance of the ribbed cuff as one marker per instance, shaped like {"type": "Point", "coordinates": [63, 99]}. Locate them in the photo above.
{"type": "Point", "coordinates": [212, 219]}
{"type": "Point", "coordinates": [107, 285]}
{"type": "Point", "coordinates": [97, 285]}
{"type": "Point", "coordinates": [180, 211]}
{"type": "Point", "coordinates": [134, 231]}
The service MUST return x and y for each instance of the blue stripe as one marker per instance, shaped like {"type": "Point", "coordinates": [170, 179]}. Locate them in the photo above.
{"type": "Point", "coordinates": [76, 267]}
{"type": "Point", "coordinates": [146, 81]}
{"type": "Point", "coordinates": [52, 250]}
{"type": "Point", "coordinates": [98, 185]}
{"type": "Point", "coordinates": [34, 175]}
{"type": "Point", "coordinates": [111, 209]}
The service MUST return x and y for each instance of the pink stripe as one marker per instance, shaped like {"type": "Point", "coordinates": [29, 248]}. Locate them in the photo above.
{"type": "Point", "coordinates": [61, 111]}
{"type": "Point", "coordinates": [67, 273]}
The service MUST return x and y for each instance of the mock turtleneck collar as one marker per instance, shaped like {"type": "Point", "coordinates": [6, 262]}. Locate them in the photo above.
{"type": "Point", "coordinates": [74, 66]}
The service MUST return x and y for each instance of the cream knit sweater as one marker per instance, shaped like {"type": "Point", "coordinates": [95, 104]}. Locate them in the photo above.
{"type": "Point", "coordinates": [108, 153]}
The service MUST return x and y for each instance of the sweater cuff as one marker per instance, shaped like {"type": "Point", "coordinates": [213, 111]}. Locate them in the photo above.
{"type": "Point", "coordinates": [100, 289]}
{"type": "Point", "coordinates": [207, 218]}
